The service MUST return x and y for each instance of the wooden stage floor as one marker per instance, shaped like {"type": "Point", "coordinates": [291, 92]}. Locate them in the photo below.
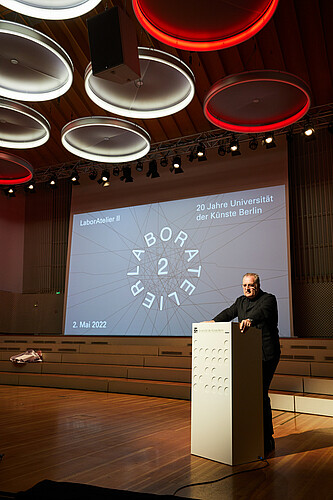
{"type": "Point", "coordinates": [142, 444]}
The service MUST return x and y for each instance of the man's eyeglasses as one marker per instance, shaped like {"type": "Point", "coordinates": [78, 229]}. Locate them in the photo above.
{"type": "Point", "coordinates": [249, 286]}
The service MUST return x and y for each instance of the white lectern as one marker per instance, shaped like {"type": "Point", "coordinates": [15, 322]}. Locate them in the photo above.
{"type": "Point", "coordinates": [226, 411]}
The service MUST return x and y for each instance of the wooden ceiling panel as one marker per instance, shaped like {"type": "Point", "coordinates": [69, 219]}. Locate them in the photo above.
{"type": "Point", "coordinates": [270, 50]}
{"type": "Point", "coordinates": [313, 41]}
{"type": "Point", "coordinates": [250, 55]}
{"type": "Point", "coordinates": [155, 129]}
{"type": "Point", "coordinates": [290, 41]}
{"type": "Point", "coordinates": [326, 18]}
{"type": "Point", "coordinates": [213, 67]}
{"type": "Point", "coordinates": [232, 60]}
{"type": "Point", "coordinates": [184, 123]}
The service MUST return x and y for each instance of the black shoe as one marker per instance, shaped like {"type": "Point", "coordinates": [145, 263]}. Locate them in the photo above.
{"type": "Point", "coordinates": [269, 447]}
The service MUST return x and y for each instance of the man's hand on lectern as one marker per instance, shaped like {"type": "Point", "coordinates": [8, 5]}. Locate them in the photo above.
{"type": "Point", "coordinates": [244, 325]}
{"type": "Point", "coordinates": [210, 321]}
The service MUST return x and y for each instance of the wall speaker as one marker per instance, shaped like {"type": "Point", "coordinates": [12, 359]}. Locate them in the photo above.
{"type": "Point", "coordinates": [113, 46]}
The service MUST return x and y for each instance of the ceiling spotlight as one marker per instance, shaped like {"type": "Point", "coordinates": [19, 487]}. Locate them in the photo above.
{"type": "Point", "coordinates": [176, 170]}
{"type": "Point", "coordinates": [201, 150]}
{"type": "Point", "coordinates": [222, 150]}
{"type": "Point", "coordinates": [75, 178]}
{"type": "Point", "coordinates": [152, 170]}
{"type": "Point", "coordinates": [116, 171]}
{"type": "Point", "coordinates": [191, 157]}
{"type": "Point", "coordinates": [253, 144]}
{"type": "Point", "coordinates": [139, 166]}
{"type": "Point", "coordinates": [105, 178]}
{"type": "Point", "coordinates": [127, 175]}
{"type": "Point", "coordinates": [269, 140]}
{"type": "Point", "coordinates": [308, 130]}
{"type": "Point", "coordinates": [53, 182]}
{"type": "Point", "coordinates": [234, 146]}
{"type": "Point", "coordinates": [10, 192]}
{"type": "Point", "coordinates": [177, 162]}
{"type": "Point", "coordinates": [93, 174]}
{"type": "Point", "coordinates": [290, 136]}
{"type": "Point", "coordinates": [164, 161]}
{"type": "Point", "coordinates": [30, 187]}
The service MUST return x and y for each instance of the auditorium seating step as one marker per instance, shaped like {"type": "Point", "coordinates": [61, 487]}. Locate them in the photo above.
{"type": "Point", "coordinates": [176, 390]}
{"type": "Point", "coordinates": [302, 403]}
{"type": "Point", "coordinates": [162, 367]}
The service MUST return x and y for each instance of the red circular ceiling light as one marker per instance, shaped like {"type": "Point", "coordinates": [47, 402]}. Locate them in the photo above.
{"type": "Point", "coordinates": [195, 25]}
{"type": "Point", "coordinates": [14, 170]}
{"type": "Point", "coordinates": [257, 101]}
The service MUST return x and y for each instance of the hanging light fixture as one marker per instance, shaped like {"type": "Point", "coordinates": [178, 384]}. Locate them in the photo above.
{"type": "Point", "coordinates": [75, 178]}
{"type": "Point", "coordinates": [201, 149]}
{"type": "Point", "coordinates": [191, 156]}
{"type": "Point", "coordinates": [268, 137]}
{"type": "Point", "coordinates": [127, 174]}
{"type": "Point", "coordinates": [166, 86]}
{"type": "Point", "coordinates": [196, 26]}
{"type": "Point", "coordinates": [233, 144]}
{"type": "Point", "coordinates": [10, 192]}
{"type": "Point", "coordinates": [34, 67]}
{"type": "Point", "coordinates": [308, 129]}
{"type": "Point", "coordinates": [21, 127]}
{"type": "Point", "coordinates": [177, 162]}
{"type": "Point", "coordinates": [152, 169]}
{"type": "Point", "coordinates": [93, 174]}
{"type": "Point", "coordinates": [40, 9]}
{"type": "Point", "coordinates": [164, 161]}
{"type": "Point", "coordinates": [139, 166]}
{"type": "Point", "coordinates": [105, 139]}
{"type": "Point", "coordinates": [221, 150]}
{"type": "Point", "coordinates": [269, 140]}
{"type": "Point", "coordinates": [14, 170]}
{"type": "Point", "coordinates": [105, 178]}
{"type": "Point", "coordinates": [257, 101]}
{"type": "Point", "coordinates": [201, 152]}
{"type": "Point", "coordinates": [176, 166]}
{"type": "Point", "coordinates": [53, 182]}
{"type": "Point", "coordinates": [253, 144]}
{"type": "Point", "coordinates": [30, 187]}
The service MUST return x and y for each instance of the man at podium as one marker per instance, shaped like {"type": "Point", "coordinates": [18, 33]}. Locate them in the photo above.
{"type": "Point", "coordinates": [259, 309]}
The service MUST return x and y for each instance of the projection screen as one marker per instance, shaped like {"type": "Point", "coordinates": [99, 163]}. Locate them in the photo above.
{"type": "Point", "coordinates": [154, 269]}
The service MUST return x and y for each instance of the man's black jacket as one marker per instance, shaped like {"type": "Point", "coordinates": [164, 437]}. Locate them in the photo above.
{"type": "Point", "coordinates": [262, 310]}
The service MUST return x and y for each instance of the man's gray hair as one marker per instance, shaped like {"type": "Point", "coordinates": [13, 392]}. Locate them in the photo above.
{"type": "Point", "coordinates": [255, 276]}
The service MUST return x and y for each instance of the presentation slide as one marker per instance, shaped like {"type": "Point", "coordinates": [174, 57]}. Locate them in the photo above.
{"type": "Point", "coordinates": [155, 269]}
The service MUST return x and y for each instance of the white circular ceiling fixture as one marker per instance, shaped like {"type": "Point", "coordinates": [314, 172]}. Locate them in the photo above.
{"type": "Point", "coordinates": [105, 139]}
{"type": "Point", "coordinates": [33, 66]}
{"type": "Point", "coordinates": [55, 9]}
{"type": "Point", "coordinates": [166, 86]}
{"type": "Point", "coordinates": [21, 127]}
